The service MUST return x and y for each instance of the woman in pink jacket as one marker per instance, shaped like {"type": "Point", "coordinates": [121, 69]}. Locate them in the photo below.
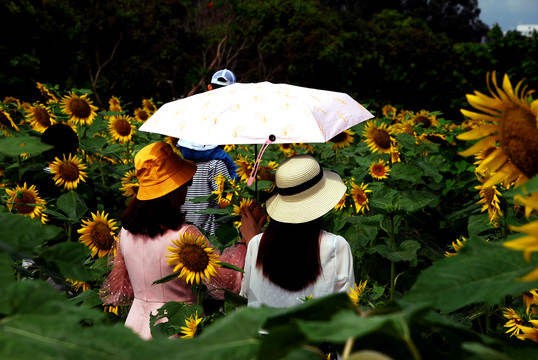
{"type": "Point", "coordinates": [149, 224]}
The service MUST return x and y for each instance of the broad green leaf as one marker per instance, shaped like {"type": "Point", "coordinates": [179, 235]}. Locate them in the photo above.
{"type": "Point", "coordinates": [17, 145]}
{"type": "Point", "coordinates": [20, 235]}
{"type": "Point", "coordinates": [407, 251]}
{"type": "Point", "coordinates": [6, 278]}
{"type": "Point", "coordinates": [175, 313]}
{"type": "Point", "coordinates": [72, 205]}
{"type": "Point", "coordinates": [429, 170]}
{"type": "Point", "coordinates": [68, 259]}
{"type": "Point", "coordinates": [481, 272]}
{"type": "Point", "coordinates": [478, 224]}
{"type": "Point", "coordinates": [401, 171]}
{"type": "Point", "coordinates": [412, 201]}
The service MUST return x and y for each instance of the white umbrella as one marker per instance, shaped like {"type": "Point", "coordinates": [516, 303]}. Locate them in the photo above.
{"type": "Point", "coordinates": [248, 113]}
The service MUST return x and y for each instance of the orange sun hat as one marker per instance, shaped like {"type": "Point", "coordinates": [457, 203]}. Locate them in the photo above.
{"type": "Point", "coordinates": [160, 171]}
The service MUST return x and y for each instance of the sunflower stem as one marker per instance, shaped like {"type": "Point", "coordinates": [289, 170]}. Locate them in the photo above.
{"type": "Point", "coordinates": [392, 264]}
{"type": "Point", "coordinates": [19, 162]}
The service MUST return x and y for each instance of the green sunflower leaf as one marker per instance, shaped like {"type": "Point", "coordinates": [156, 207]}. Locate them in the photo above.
{"type": "Point", "coordinates": [481, 272]}
{"type": "Point", "coordinates": [72, 205]}
{"type": "Point", "coordinates": [15, 146]}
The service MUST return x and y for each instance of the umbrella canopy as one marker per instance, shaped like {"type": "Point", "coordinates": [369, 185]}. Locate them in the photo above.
{"type": "Point", "coordinates": [248, 113]}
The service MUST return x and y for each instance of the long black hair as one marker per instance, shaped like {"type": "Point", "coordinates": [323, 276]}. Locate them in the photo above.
{"type": "Point", "coordinates": [289, 253]}
{"type": "Point", "coordinates": [156, 216]}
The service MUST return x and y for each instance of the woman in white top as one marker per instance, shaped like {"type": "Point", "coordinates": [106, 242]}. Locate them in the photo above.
{"type": "Point", "coordinates": [295, 258]}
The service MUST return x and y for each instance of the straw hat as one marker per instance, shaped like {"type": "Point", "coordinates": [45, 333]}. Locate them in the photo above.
{"type": "Point", "coordinates": [160, 171]}
{"type": "Point", "coordinates": [304, 191]}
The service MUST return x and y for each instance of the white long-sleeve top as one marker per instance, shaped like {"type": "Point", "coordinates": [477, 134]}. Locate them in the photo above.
{"type": "Point", "coordinates": [336, 275]}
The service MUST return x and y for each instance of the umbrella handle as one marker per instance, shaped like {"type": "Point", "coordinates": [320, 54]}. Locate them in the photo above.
{"type": "Point", "coordinates": [259, 158]}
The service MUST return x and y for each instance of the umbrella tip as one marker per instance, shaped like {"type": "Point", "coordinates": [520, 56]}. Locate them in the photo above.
{"type": "Point", "coordinates": [272, 137]}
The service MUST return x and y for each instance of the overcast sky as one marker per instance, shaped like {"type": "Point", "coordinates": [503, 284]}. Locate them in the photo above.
{"type": "Point", "coordinates": [508, 13]}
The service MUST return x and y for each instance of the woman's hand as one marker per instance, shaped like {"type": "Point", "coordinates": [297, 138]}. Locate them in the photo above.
{"type": "Point", "coordinates": [252, 220]}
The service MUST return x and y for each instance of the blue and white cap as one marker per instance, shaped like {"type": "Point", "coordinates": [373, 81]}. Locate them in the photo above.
{"type": "Point", "coordinates": [223, 77]}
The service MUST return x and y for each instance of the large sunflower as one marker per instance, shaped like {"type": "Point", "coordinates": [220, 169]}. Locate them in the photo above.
{"type": "Point", "coordinates": [378, 138]}
{"type": "Point", "coordinates": [379, 170]}
{"type": "Point", "coordinates": [26, 201]}
{"type": "Point", "coordinates": [191, 326]}
{"type": "Point", "coordinates": [98, 234]}
{"type": "Point", "coordinates": [40, 117]}
{"type": "Point", "coordinates": [425, 119]}
{"type": "Point", "coordinates": [5, 121]}
{"type": "Point", "coordinates": [342, 140]}
{"type": "Point", "coordinates": [68, 172]}
{"type": "Point", "coordinates": [121, 129]}
{"type": "Point", "coordinates": [194, 258]}
{"type": "Point", "coordinates": [80, 108]}
{"type": "Point", "coordinates": [359, 193]}
{"type": "Point", "coordinates": [129, 184]}
{"type": "Point", "coordinates": [509, 119]}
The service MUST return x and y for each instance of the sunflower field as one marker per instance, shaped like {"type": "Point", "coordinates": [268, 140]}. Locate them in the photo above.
{"type": "Point", "coordinates": [440, 215]}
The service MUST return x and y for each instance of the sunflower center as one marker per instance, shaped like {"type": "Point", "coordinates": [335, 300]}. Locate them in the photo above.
{"type": "Point", "coordinates": [42, 116]}
{"type": "Point", "coordinates": [69, 172]}
{"type": "Point", "coordinates": [21, 201]}
{"type": "Point", "coordinates": [489, 194]}
{"type": "Point", "coordinates": [360, 197]}
{"type": "Point", "coordinates": [381, 139]}
{"type": "Point", "coordinates": [80, 108]}
{"type": "Point", "coordinates": [123, 127]}
{"type": "Point", "coordinates": [101, 237]}
{"type": "Point", "coordinates": [378, 169]}
{"type": "Point", "coordinates": [519, 139]}
{"type": "Point", "coordinates": [194, 258]}
{"type": "Point", "coordinates": [143, 115]}
{"type": "Point", "coordinates": [423, 120]}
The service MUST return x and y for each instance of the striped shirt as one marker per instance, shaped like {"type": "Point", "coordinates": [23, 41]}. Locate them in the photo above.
{"type": "Point", "coordinates": [203, 184]}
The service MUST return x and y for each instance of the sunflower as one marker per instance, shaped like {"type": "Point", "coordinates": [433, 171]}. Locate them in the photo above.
{"type": "Point", "coordinates": [6, 121]}
{"type": "Point", "coordinates": [379, 170]}
{"type": "Point", "coordinates": [46, 92]}
{"type": "Point", "coordinates": [98, 234]}
{"type": "Point", "coordinates": [404, 127]}
{"type": "Point", "coordinates": [237, 209]}
{"type": "Point", "coordinates": [121, 129]}
{"type": "Point", "coordinates": [68, 172]}
{"type": "Point", "coordinates": [529, 299]}
{"type": "Point", "coordinates": [193, 257]}
{"type": "Point", "coordinates": [40, 117]}
{"type": "Point", "coordinates": [360, 197]}
{"type": "Point", "coordinates": [356, 294]}
{"type": "Point", "coordinates": [80, 108]}
{"type": "Point", "coordinates": [456, 245]}
{"type": "Point", "coordinates": [287, 149]}
{"type": "Point", "coordinates": [267, 172]}
{"type": "Point", "coordinates": [245, 167]}
{"type": "Point", "coordinates": [129, 184]}
{"type": "Point", "coordinates": [11, 103]}
{"type": "Point", "coordinates": [425, 120]}
{"type": "Point", "coordinates": [191, 326]}
{"type": "Point", "coordinates": [77, 285]}
{"type": "Point", "coordinates": [342, 140]}
{"type": "Point", "coordinates": [112, 309]}
{"type": "Point", "coordinates": [224, 198]}
{"type": "Point", "coordinates": [395, 155]}
{"type": "Point", "coordinates": [378, 138]}
{"type": "Point", "coordinates": [389, 111]}
{"type": "Point", "coordinates": [530, 202]}
{"type": "Point", "coordinates": [510, 120]}
{"type": "Point", "coordinates": [342, 203]}
{"type": "Point", "coordinates": [114, 104]}
{"type": "Point", "coordinates": [489, 197]}
{"type": "Point", "coordinates": [433, 138]}
{"type": "Point", "coordinates": [228, 148]}
{"type": "Point", "coordinates": [515, 322]}
{"type": "Point", "coordinates": [530, 333]}
{"type": "Point", "coordinates": [149, 106]}
{"type": "Point", "coordinates": [27, 202]}
{"type": "Point", "coordinates": [141, 114]}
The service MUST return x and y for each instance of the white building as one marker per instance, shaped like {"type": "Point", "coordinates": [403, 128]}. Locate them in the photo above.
{"type": "Point", "coordinates": [527, 30]}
